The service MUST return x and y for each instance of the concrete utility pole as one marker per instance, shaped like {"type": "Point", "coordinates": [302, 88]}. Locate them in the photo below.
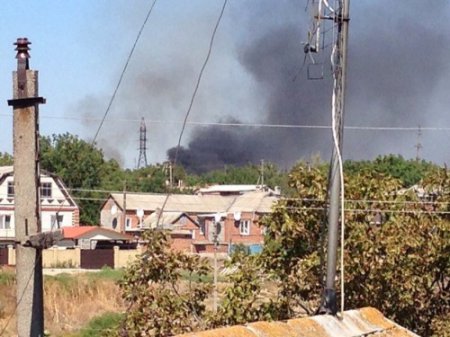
{"type": "Point", "coordinates": [30, 309]}
{"type": "Point", "coordinates": [341, 18]}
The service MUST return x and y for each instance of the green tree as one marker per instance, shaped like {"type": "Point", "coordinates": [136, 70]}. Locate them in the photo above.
{"type": "Point", "coordinates": [400, 266]}
{"type": "Point", "coordinates": [160, 304]}
{"type": "Point", "coordinates": [409, 172]}
{"type": "Point", "coordinates": [6, 159]}
{"type": "Point", "coordinates": [82, 168]}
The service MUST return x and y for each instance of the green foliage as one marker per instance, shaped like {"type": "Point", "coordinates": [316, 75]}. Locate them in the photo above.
{"type": "Point", "coordinates": [7, 278]}
{"type": "Point", "coordinates": [242, 299]}
{"type": "Point", "coordinates": [81, 167]}
{"type": "Point", "coordinates": [102, 325]}
{"type": "Point", "coordinates": [248, 174]}
{"type": "Point", "coordinates": [107, 273]}
{"type": "Point", "coordinates": [6, 159]}
{"type": "Point", "coordinates": [159, 303]}
{"type": "Point", "coordinates": [409, 172]}
{"type": "Point", "coordinates": [400, 266]}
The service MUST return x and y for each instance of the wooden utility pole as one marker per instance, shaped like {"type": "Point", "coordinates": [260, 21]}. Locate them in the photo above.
{"type": "Point", "coordinates": [30, 309]}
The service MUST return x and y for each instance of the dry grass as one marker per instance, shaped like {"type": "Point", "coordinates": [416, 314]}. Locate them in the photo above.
{"type": "Point", "coordinates": [70, 301]}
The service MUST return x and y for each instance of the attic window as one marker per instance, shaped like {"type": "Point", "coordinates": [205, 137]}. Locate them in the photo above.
{"type": "Point", "coordinates": [46, 190]}
{"type": "Point", "coordinates": [10, 189]}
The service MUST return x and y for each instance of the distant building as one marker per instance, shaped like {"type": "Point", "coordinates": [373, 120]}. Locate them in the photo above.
{"type": "Point", "coordinates": [191, 218]}
{"type": "Point", "coordinates": [58, 209]}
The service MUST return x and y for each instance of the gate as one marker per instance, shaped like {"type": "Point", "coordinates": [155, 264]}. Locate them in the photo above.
{"type": "Point", "coordinates": [96, 258]}
{"type": "Point", "coordinates": [3, 256]}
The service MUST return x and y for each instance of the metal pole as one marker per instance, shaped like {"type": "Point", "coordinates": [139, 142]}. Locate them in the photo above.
{"type": "Point", "coordinates": [30, 307]}
{"type": "Point", "coordinates": [342, 18]}
{"type": "Point", "coordinates": [216, 242]}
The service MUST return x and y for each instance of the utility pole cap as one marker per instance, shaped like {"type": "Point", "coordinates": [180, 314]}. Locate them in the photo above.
{"type": "Point", "coordinates": [22, 48]}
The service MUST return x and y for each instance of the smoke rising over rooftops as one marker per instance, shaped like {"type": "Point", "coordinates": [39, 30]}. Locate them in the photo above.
{"type": "Point", "coordinates": [398, 74]}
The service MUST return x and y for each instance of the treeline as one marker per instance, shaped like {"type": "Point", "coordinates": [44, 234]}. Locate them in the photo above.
{"type": "Point", "coordinates": [90, 176]}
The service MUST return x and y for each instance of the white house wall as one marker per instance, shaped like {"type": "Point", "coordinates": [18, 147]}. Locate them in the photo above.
{"type": "Point", "coordinates": [50, 206]}
{"type": "Point", "coordinates": [46, 219]}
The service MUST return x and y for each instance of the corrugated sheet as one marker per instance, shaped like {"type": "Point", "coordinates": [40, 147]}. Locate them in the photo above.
{"type": "Point", "coordinates": [261, 202]}
{"type": "Point", "coordinates": [248, 202]}
{"type": "Point", "coordinates": [354, 323]}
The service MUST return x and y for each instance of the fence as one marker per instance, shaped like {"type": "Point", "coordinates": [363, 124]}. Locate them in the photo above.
{"type": "Point", "coordinates": [77, 258]}
{"type": "Point", "coordinates": [4, 256]}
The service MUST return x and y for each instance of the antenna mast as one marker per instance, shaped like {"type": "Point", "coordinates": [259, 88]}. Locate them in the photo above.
{"type": "Point", "coordinates": [142, 161]}
{"type": "Point", "coordinates": [339, 16]}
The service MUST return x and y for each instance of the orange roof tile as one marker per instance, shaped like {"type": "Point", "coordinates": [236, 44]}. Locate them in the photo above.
{"type": "Point", "coordinates": [75, 232]}
{"type": "Point", "coordinates": [354, 323]}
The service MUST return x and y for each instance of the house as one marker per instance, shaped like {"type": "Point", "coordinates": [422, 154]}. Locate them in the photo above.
{"type": "Point", "coordinates": [58, 209]}
{"type": "Point", "coordinates": [192, 219]}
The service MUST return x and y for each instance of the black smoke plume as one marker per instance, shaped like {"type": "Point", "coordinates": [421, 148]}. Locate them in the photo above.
{"type": "Point", "coordinates": [398, 58]}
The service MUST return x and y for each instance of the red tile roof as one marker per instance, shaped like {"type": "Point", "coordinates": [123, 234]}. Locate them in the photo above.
{"type": "Point", "coordinates": [76, 232]}
{"type": "Point", "coordinates": [79, 231]}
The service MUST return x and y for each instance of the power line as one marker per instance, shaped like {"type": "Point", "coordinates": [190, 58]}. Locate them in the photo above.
{"type": "Point", "coordinates": [123, 72]}
{"type": "Point", "coordinates": [200, 75]}
{"type": "Point", "coordinates": [258, 125]}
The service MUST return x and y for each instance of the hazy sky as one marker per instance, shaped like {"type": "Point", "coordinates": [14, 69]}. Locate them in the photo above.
{"type": "Point", "coordinates": [399, 70]}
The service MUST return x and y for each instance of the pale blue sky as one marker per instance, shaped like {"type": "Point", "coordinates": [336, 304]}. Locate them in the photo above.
{"type": "Point", "coordinates": [398, 72]}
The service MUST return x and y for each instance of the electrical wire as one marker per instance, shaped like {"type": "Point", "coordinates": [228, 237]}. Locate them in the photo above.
{"type": "Point", "coordinates": [191, 103]}
{"type": "Point", "coordinates": [258, 125]}
{"type": "Point", "coordinates": [123, 72]}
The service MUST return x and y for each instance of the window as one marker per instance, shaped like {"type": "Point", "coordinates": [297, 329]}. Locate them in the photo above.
{"type": "Point", "coordinates": [56, 220]}
{"type": "Point", "coordinates": [128, 223]}
{"type": "Point", "coordinates": [5, 221]}
{"type": "Point", "coordinates": [201, 223]}
{"type": "Point", "coordinates": [114, 223]}
{"type": "Point", "coordinates": [244, 227]}
{"type": "Point", "coordinates": [46, 190]}
{"type": "Point", "coordinates": [10, 189]}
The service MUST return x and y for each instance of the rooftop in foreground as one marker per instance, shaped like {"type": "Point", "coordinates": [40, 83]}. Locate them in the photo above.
{"type": "Point", "coordinates": [355, 323]}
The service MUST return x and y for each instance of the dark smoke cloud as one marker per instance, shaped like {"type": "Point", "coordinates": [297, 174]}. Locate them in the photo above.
{"type": "Point", "coordinates": [398, 73]}
{"type": "Point", "coordinates": [398, 57]}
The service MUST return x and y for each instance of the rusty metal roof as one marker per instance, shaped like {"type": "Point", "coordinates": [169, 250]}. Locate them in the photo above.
{"type": "Point", "coordinates": [354, 323]}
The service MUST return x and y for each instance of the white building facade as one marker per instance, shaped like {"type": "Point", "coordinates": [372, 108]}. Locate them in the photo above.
{"type": "Point", "coordinates": [58, 209]}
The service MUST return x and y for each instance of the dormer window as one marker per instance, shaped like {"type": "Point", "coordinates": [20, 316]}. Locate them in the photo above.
{"type": "Point", "coordinates": [46, 190]}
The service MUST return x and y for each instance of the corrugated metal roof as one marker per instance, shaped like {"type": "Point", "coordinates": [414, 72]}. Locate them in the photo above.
{"type": "Point", "coordinates": [261, 202]}
{"type": "Point", "coordinates": [167, 218]}
{"type": "Point", "coordinates": [256, 201]}
{"type": "Point", "coordinates": [354, 323]}
{"type": "Point", "coordinates": [229, 188]}
{"type": "Point", "coordinates": [175, 202]}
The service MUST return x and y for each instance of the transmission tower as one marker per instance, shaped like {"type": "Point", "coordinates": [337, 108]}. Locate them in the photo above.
{"type": "Point", "coordinates": [142, 161]}
{"type": "Point", "coordinates": [418, 146]}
